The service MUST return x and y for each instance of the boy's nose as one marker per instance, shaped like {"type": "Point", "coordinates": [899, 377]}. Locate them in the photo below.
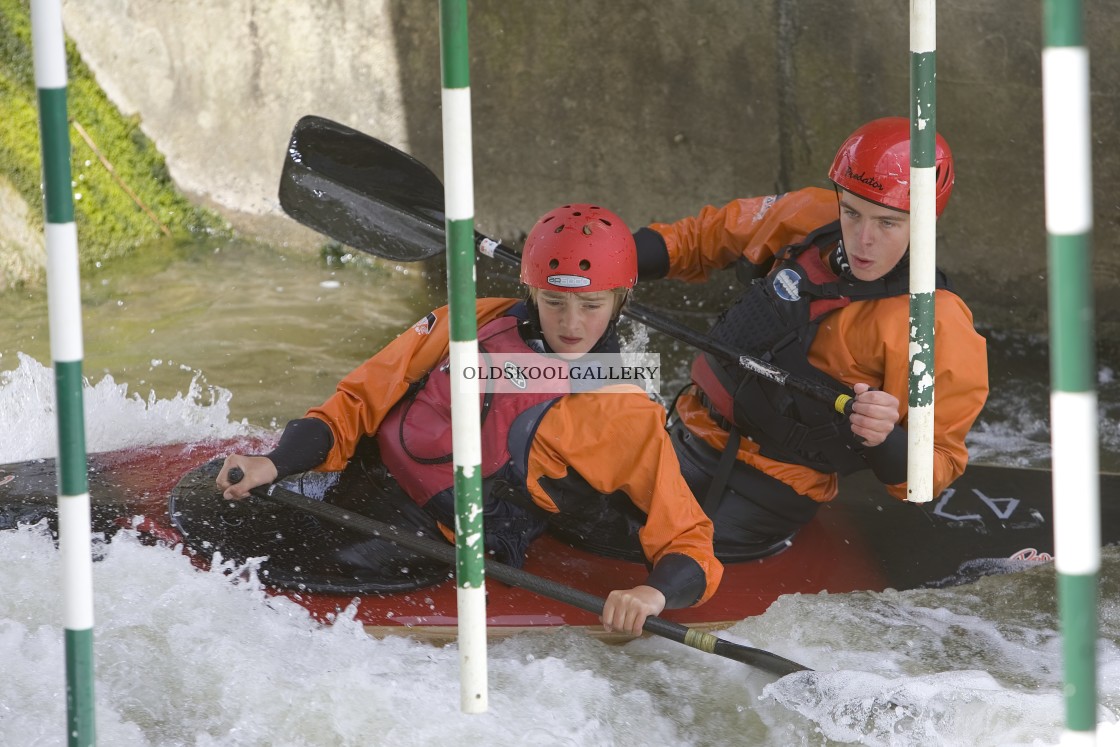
{"type": "Point", "coordinates": [866, 234]}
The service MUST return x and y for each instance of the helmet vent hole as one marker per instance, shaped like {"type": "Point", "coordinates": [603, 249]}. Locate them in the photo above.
{"type": "Point", "coordinates": [606, 223]}
{"type": "Point", "coordinates": [553, 264]}
{"type": "Point", "coordinates": [559, 229]}
{"type": "Point", "coordinates": [584, 265]}
{"type": "Point", "coordinates": [587, 230]}
{"type": "Point", "coordinates": [576, 213]}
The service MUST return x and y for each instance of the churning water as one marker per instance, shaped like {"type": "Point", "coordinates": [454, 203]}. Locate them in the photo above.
{"type": "Point", "coordinates": [225, 340]}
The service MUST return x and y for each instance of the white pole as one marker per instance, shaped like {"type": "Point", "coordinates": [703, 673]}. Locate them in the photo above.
{"type": "Point", "coordinates": [923, 247]}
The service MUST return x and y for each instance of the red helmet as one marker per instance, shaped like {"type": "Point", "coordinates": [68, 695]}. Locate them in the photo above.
{"type": "Point", "coordinates": [874, 163]}
{"type": "Point", "coordinates": [579, 248]}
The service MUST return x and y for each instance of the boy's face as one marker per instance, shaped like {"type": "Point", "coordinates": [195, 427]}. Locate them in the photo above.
{"type": "Point", "coordinates": [573, 322]}
{"type": "Point", "coordinates": [875, 237]}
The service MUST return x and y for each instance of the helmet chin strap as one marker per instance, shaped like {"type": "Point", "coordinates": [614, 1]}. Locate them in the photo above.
{"type": "Point", "coordinates": [531, 328]}
{"type": "Point", "coordinates": [838, 261]}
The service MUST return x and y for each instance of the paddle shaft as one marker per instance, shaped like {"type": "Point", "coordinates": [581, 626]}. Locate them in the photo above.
{"type": "Point", "coordinates": [840, 401]}
{"type": "Point", "coordinates": [441, 551]}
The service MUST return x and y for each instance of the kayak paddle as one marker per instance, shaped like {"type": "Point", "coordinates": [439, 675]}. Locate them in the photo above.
{"type": "Point", "coordinates": [764, 660]}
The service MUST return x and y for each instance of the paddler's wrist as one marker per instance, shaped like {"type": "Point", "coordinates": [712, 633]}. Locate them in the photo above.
{"type": "Point", "coordinates": [304, 445]}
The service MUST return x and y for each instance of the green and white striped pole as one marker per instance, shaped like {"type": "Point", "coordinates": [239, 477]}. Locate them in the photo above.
{"type": "Point", "coordinates": [65, 312]}
{"type": "Point", "coordinates": [458, 171]}
{"type": "Point", "coordinates": [923, 247]}
{"type": "Point", "coordinates": [1073, 397]}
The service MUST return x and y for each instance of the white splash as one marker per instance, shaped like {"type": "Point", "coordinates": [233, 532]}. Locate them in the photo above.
{"type": "Point", "coordinates": [114, 418]}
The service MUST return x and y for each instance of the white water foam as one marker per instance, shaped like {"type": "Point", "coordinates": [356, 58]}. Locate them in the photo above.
{"type": "Point", "coordinates": [184, 657]}
{"type": "Point", "coordinates": [114, 418]}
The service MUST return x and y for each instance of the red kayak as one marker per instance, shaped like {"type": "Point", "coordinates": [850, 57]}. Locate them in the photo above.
{"type": "Point", "coordinates": [993, 519]}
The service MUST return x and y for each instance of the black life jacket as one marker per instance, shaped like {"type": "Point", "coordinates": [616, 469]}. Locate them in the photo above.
{"type": "Point", "coordinates": [776, 319]}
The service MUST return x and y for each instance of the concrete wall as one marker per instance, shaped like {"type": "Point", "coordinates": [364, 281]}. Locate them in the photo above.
{"type": "Point", "coordinates": [23, 250]}
{"type": "Point", "coordinates": [652, 108]}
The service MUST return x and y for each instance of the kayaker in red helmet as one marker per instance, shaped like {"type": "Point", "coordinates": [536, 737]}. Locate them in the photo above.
{"type": "Point", "coordinates": [827, 278]}
{"type": "Point", "coordinates": [549, 458]}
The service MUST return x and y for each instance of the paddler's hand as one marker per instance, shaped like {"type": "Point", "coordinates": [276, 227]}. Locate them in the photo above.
{"type": "Point", "coordinates": [626, 610]}
{"type": "Point", "coordinates": [258, 470]}
{"type": "Point", "coordinates": [874, 414]}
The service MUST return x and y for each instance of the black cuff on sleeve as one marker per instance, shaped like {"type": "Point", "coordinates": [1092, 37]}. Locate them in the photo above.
{"type": "Point", "coordinates": [304, 445]}
{"type": "Point", "coordinates": [680, 579]}
{"type": "Point", "coordinates": [653, 255]}
{"type": "Point", "coordinates": [888, 459]}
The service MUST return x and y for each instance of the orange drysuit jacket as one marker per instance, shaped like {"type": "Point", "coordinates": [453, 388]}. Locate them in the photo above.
{"type": "Point", "coordinates": [614, 441]}
{"type": "Point", "coordinates": [866, 341]}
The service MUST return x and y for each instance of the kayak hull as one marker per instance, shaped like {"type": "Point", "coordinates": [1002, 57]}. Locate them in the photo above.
{"type": "Point", "coordinates": [993, 520]}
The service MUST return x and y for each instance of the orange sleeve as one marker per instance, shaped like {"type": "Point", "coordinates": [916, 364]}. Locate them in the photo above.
{"type": "Point", "coordinates": [366, 395]}
{"type": "Point", "coordinates": [869, 342]}
{"type": "Point", "coordinates": [753, 228]}
{"type": "Point", "coordinates": [960, 389]}
{"type": "Point", "coordinates": [616, 440]}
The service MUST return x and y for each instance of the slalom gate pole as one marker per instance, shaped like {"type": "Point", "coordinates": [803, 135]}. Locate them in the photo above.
{"type": "Point", "coordinates": [923, 247]}
{"type": "Point", "coordinates": [458, 171]}
{"type": "Point", "coordinates": [1074, 434]}
{"type": "Point", "coordinates": [65, 312]}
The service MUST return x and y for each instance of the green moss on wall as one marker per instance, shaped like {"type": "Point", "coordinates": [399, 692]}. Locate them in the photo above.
{"type": "Point", "coordinates": [111, 222]}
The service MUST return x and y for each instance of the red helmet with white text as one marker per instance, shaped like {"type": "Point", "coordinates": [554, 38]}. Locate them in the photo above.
{"type": "Point", "coordinates": [578, 248]}
{"type": "Point", "coordinates": [874, 163]}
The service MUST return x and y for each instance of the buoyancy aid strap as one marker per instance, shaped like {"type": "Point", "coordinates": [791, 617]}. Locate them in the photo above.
{"type": "Point", "coordinates": [727, 459]}
{"type": "Point", "coordinates": [823, 237]}
{"type": "Point", "coordinates": [758, 513]}
{"type": "Point", "coordinates": [521, 435]}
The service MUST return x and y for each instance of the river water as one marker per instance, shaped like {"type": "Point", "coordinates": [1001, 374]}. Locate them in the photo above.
{"type": "Point", "coordinates": [219, 338]}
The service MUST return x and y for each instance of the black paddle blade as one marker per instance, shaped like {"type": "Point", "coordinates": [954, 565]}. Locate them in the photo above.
{"type": "Point", "coordinates": [362, 192]}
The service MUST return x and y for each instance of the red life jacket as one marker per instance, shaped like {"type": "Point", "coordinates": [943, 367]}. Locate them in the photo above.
{"type": "Point", "coordinates": [415, 437]}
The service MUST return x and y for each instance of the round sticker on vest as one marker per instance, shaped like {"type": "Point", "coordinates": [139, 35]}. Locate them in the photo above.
{"type": "Point", "coordinates": [786, 284]}
{"type": "Point", "coordinates": [568, 281]}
